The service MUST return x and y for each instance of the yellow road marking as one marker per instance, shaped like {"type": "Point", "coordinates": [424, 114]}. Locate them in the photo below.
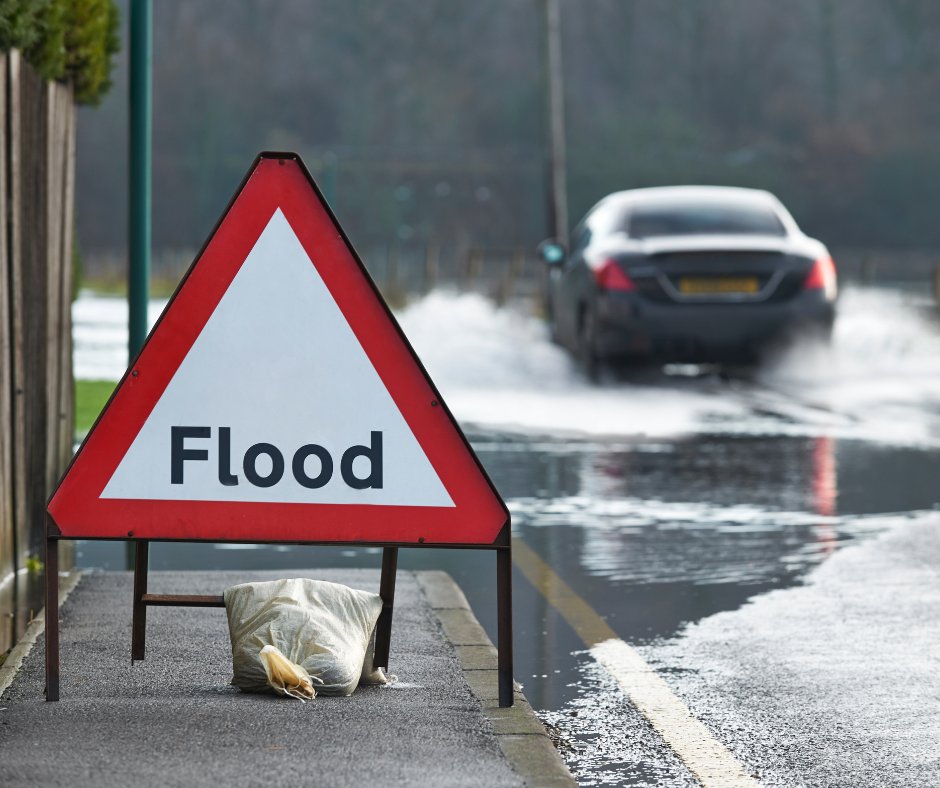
{"type": "Point", "coordinates": [708, 759]}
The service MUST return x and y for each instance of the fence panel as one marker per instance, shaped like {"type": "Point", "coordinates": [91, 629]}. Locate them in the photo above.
{"type": "Point", "coordinates": [7, 562]}
{"type": "Point", "coordinates": [36, 392]}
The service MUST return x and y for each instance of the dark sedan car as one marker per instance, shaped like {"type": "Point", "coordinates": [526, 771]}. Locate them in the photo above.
{"type": "Point", "coordinates": [686, 273]}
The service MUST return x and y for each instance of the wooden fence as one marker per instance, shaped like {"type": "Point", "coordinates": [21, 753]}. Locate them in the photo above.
{"type": "Point", "coordinates": [37, 166]}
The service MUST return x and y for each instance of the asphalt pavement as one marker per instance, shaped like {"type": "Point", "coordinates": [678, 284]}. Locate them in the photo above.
{"type": "Point", "coordinates": [835, 683]}
{"type": "Point", "coordinates": [174, 719]}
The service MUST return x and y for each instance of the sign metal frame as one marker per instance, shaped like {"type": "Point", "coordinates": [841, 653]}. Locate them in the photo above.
{"type": "Point", "coordinates": [501, 544]}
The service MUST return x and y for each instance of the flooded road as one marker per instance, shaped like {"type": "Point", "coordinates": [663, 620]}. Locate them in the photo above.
{"type": "Point", "coordinates": [661, 499]}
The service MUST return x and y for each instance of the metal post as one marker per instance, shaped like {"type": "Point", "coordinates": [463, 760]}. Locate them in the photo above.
{"type": "Point", "coordinates": [52, 619]}
{"type": "Point", "coordinates": [139, 98]}
{"type": "Point", "coordinates": [504, 625]}
{"type": "Point", "coordinates": [383, 627]}
{"type": "Point", "coordinates": [139, 626]}
{"type": "Point", "coordinates": [555, 106]}
{"type": "Point", "coordinates": [140, 89]}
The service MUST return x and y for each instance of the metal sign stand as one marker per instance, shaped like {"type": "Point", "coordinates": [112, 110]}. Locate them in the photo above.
{"type": "Point", "coordinates": [383, 628]}
{"type": "Point", "coordinates": [478, 518]}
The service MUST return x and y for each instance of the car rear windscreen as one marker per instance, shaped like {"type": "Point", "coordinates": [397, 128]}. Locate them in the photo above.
{"type": "Point", "coordinates": [702, 218]}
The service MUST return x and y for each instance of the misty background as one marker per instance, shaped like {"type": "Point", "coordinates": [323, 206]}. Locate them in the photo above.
{"type": "Point", "coordinates": [424, 120]}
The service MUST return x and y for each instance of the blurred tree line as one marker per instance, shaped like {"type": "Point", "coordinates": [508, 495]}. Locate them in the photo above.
{"type": "Point", "coordinates": [424, 119]}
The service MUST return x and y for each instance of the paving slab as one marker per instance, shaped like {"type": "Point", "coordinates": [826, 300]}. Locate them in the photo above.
{"type": "Point", "coordinates": [174, 719]}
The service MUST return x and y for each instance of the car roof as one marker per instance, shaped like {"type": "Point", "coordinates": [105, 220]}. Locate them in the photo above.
{"type": "Point", "coordinates": [705, 193]}
{"type": "Point", "coordinates": [626, 201]}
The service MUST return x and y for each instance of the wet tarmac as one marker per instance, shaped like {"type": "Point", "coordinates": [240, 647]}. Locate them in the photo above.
{"type": "Point", "coordinates": [662, 499]}
{"type": "Point", "coordinates": [833, 683]}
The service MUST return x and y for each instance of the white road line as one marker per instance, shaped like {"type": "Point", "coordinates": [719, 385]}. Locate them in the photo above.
{"type": "Point", "coordinates": [708, 759]}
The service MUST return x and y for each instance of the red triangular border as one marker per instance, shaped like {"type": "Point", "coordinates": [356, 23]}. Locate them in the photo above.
{"type": "Point", "coordinates": [279, 180]}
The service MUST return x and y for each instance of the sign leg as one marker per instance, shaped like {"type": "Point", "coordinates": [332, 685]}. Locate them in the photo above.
{"type": "Point", "coordinates": [52, 619]}
{"type": "Point", "coordinates": [383, 628]}
{"type": "Point", "coordinates": [504, 625]}
{"type": "Point", "coordinates": [139, 628]}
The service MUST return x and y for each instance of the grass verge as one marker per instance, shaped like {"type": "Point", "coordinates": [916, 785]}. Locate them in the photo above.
{"type": "Point", "coordinates": [159, 287]}
{"type": "Point", "coordinates": [90, 397]}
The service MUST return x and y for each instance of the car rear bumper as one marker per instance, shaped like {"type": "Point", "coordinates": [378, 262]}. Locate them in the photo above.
{"type": "Point", "coordinates": [628, 325]}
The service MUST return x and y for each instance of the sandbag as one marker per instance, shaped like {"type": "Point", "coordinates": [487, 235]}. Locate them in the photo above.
{"type": "Point", "coordinates": [325, 629]}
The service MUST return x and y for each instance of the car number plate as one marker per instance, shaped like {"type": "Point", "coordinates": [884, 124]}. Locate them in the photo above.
{"type": "Point", "coordinates": [710, 285]}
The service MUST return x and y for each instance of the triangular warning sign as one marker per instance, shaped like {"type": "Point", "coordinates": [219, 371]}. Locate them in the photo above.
{"type": "Point", "coordinates": [276, 400]}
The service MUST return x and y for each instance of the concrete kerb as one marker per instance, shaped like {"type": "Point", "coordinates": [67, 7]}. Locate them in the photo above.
{"type": "Point", "coordinates": [14, 660]}
{"type": "Point", "coordinates": [519, 732]}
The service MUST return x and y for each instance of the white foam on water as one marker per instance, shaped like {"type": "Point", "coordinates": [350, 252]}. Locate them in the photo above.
{"type": "Point", "coordinates": [99, 333]}
{"type": "Point", "coordinates": [497, 367]}
{"type": "Point", "coordinates": [879, 379]}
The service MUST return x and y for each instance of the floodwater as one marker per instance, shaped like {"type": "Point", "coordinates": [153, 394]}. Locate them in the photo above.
{"type": "Point", "coordinates": [661, 499]}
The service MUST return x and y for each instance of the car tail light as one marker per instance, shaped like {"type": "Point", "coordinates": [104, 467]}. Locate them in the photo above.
{"type": "Point", "coordinates": [610, 276]}
{"type": "Point", "coordinates": [822, 276]}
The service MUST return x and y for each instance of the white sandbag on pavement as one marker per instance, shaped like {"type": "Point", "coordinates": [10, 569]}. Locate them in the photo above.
{"type": "Point", "coordinates": [325, 629]}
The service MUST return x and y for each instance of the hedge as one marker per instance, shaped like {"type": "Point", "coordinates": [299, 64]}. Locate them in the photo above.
{"type": "Point", "coordinates": [64, 40]}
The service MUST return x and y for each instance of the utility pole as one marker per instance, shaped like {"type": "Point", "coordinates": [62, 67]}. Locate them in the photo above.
{"type": "Point", "coordinates": [140, 88]}
{"type": "Point", "coordinates": [556, 175]}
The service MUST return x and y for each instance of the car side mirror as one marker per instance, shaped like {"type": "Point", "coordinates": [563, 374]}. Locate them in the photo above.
{"type": "Point", "coordinates": [551, 252]}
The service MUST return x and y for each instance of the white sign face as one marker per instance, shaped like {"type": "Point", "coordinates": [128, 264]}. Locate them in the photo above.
{"type": "Point", "coordinates": [277, 402]}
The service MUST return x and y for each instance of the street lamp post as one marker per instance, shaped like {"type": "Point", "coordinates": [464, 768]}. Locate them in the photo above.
{"type": "Point", "coordinates": [140, 88]}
